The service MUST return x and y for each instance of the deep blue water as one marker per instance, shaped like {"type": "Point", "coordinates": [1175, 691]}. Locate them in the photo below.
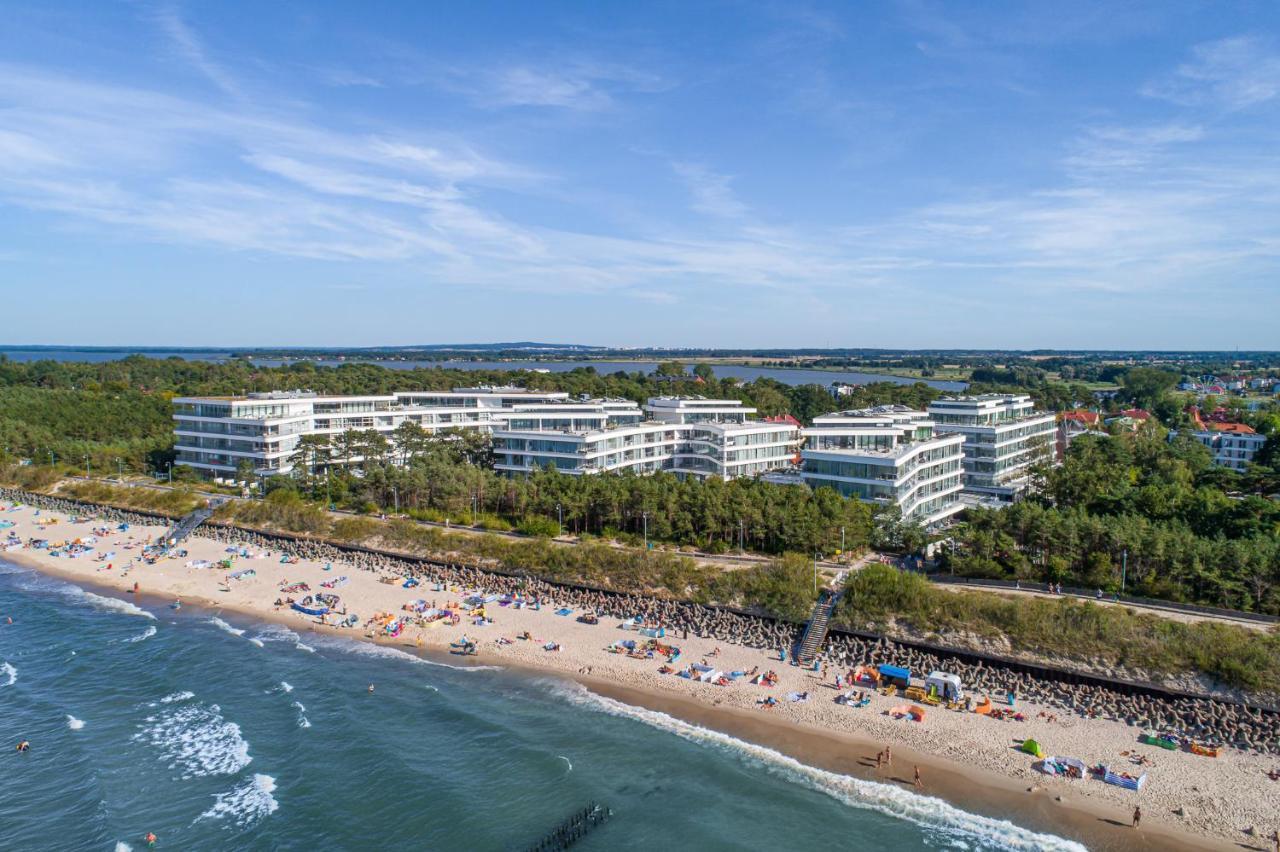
{"type": "Point", "coordinates": [240, 735]}
{"type": "Point", "coordinates": [786, 376]}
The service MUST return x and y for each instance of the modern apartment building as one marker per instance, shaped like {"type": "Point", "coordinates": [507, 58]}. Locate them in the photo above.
{"type": "Point", "coordinates": [1003, 436]}
{"type": "Point", "coordinates": [215, 435]}
{"type": "Point", "coordinates": [889, 455]}
{"type": "Point", "coordinates": [686, 436]}
{"type": "Point", "coordinates": [531, 429]}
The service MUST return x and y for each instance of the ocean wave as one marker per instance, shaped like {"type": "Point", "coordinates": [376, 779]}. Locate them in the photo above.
{"type": "Point", "coordinates": [256, 641]}
{"type": "Point", "coordinates": [121, 846]}
{"type": "Point", "coordinates": [370, 649]}
{"type": "Point", "coordinates": [925, 811]}
{"type": "Point", "coordinates": [146, 634]}
{"type": "Point", "coordinates": [224, 627]}
{"type": "Point", "coordinates": [245, 804]}
{"type": "Point", "coordinates": [276, 633]}
{"type": "Point", "coordinates": [9, 670]}
{"type": "Point", "coordinates": [73, 723]}
{"type": "Point", "coordinates": [194, 739]}
{"type": "Point", "coordinates": [307, 648]}
{"type": "Point", "coordinates": [176, 696]}
{"type": "Point", "coordinates": [35, 582]}
{"type": "Point", "coordinates": [286, 686]}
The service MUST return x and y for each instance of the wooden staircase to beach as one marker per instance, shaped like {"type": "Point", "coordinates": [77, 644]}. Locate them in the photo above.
{"type": "Point", "coordinates": [815, 632]}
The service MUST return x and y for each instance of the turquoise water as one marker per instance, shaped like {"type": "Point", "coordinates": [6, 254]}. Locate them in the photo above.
{"type": "Point", "coordinates": [225, 733]}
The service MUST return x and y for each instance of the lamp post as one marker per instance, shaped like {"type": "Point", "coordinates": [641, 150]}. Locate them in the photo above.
{"type": "Point", "coordinates": [170, 473]}
{"type": "Point", "coordinates": [120, 468]}
{"type": "Point", "coordinates": [86, 467]}
{"type": "Point", "coordinates": [560, 515]}
{"type": "Point", "coordinates": [474, 509]}
{"type": "Point", "coordinates": [50, 458]}
{"type": "Point", "coordinates": [741, 534]}
{"type": "Point", "coordinates": [1124, 568]}
{"type": "Point", "coordinates": [815, 572]}
{"type": "Point", "coordinates": [395, 495]}
{"type": "Point", "coordinates": [645, 516]}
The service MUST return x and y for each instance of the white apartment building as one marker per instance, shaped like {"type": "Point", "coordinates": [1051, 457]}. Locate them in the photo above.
{"type": "Point", "coordinates": [686, 436]}
{"type": "Point", "coordinates": [215, 435]}
{"type": "Point", "coordinates": [1003, 436]}
{"type": "Point", "coordinates": [1233, 444]}
{"type": "Point", "coordinates": [889, 455]}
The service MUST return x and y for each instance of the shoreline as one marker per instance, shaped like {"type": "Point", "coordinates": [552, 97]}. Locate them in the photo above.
{"type": "Point", "coordinates": [1080, 813]}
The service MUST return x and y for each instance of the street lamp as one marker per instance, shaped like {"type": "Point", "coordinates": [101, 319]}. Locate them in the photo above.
{"type": "Point", "coordinates": [645, 516]}
{"type": "Point", "coordinates": [475, 509]}
{"type": "Point", "coordinates": [560, 515]}
{"type": "Point", "coordinates": [86, 467]}
{"type": "Point", "coordinates": [170, 473]}
{"type": "Point", "coordinates": [741, 532]}
{"type": "Point", "coordinates": [395, 495]}
{"type": "Point", "coordinates": [120, 468]}
{"type": "Point", "coordinates": [50, 458]}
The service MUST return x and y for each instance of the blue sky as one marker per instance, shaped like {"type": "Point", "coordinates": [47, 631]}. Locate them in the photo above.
{"type": "Point", "coordinates": [907, 174]}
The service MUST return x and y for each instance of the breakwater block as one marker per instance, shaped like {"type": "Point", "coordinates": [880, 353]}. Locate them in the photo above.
{"type": "Point", "coordinates": [574, 828]}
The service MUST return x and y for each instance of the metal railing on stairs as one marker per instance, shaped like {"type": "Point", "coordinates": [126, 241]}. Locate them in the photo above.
{"type": "Point", "coordinates": [815, 632]}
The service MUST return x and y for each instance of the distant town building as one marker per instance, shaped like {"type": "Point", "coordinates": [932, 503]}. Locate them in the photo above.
{"type": "Point", "coordinates": [1073, 424]}
{"type": "Point", "coordinates": [1003, 436]}
{"type": "Point", "coordinates": [888, 455]}
{"type": "Point", "coordinates": [1233, 445]}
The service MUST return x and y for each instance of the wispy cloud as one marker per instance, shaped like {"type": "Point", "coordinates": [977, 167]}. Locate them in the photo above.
{"type": "Point", "coordinates": [1231, 73]}
{"type": "Point", "coordinates": [581, 85]}
{"type": "Point", "coordinates": [712, 193]}
{"type": "Point", "coordinates": [184, 40]}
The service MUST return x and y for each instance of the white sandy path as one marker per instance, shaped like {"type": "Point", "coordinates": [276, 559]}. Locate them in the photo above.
{"type": "Point", "coordinates": [1221, 797]}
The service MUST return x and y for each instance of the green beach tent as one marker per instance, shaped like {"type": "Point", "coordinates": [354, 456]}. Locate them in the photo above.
{"type": "Point", "coordinates": [1033, 748]}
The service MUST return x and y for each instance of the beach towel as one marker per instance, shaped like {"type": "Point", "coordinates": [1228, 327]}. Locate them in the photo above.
{"type": "Point", "coordinates": [797, 696]}
{"type": "Point", "coordinates": [565, 611]}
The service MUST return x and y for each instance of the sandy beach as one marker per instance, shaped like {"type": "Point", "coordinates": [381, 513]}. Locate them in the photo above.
{"type": "Point", "coordinates": [1188, 802]}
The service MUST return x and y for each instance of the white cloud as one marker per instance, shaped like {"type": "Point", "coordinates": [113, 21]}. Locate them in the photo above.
{"type": "Point", "coordinates": [190, 48]}
{"type": "Point", "coordinates": [1232, 73]}
{"type": "Point", "coordinates": [712, 193]}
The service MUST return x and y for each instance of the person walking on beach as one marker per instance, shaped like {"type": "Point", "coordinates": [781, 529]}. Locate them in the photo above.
{"type": "Point", "coordinates": [1275, 840]}
{"type": "Point", "coordinates": [888, 756]}
{"type": "Point", "coordinates": [1137, 816]}
{"type": "Point", "coordinates": [879, 759]}
{"type": "Point", "coordinates": [919, 783]}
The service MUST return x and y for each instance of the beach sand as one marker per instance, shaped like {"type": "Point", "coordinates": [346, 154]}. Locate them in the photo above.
{"type": "Point", "coordinates": [969, 760]}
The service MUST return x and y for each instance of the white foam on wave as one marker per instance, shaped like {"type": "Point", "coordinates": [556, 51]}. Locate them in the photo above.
{"type": "Point", "coordinates": [73, 723]}
{"type": "Point", "coordinates": [286, 686]}
{"type": "Point", "coordinates": [121, 846]}
{"type": "Point", "coordinates": [307, 648]}
{"type": "Point", "coordinates": [224, 627]}
{"type": "Point", "coordinates": [146, 634]}
{"type": "Point", "coordinates": [245, 804]}
{"type": "Point", "coordinates": [256, 641]}
{"type": "Point", "coordinates": [194, 739]}
{"type": "Point", "coordinates": [925, 811]}
{"type": "Point", "coordinates": [9, 670]}
{"type": "Point", "coordinates": [276, 633]}
{"type": "Point", "coordinates": [370, 649]}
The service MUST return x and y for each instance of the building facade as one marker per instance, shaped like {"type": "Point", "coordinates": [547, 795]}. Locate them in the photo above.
{"type": "Point", "coordinates": [216, 435]}
{"type": "Point", "coordinates": [531, 429]}
{"type": "Point", "coordinates": [1003, 436]}
{"type": "Point", "coordinates": [685, 436]}
{"type": "Point", "coordinates": [1233, 445]}
{"type": "Point", "coordinates": [888, 455]}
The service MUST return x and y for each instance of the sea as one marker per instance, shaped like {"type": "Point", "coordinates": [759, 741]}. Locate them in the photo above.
{"type": "Point", "coordinates": [785, 375]}
{"type": "Point", "coordinates": [219, 732]}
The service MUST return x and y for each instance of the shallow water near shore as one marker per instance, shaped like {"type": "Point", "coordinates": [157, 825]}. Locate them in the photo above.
{"type": "Point", "coordinates": [220, 732]}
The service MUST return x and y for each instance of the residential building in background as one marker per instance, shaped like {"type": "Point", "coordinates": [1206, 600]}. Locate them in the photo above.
{"type": "Point", "coordinates": [1073, 424]}
{"type": "Point", "coordinates": [888, 455]}
{"type": "Point", "coordinates": [1233, 445]}
{"type": "Point", "coordinates": [1003, 436]}
{"type": "Point", "coordinates": [687, 436]}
